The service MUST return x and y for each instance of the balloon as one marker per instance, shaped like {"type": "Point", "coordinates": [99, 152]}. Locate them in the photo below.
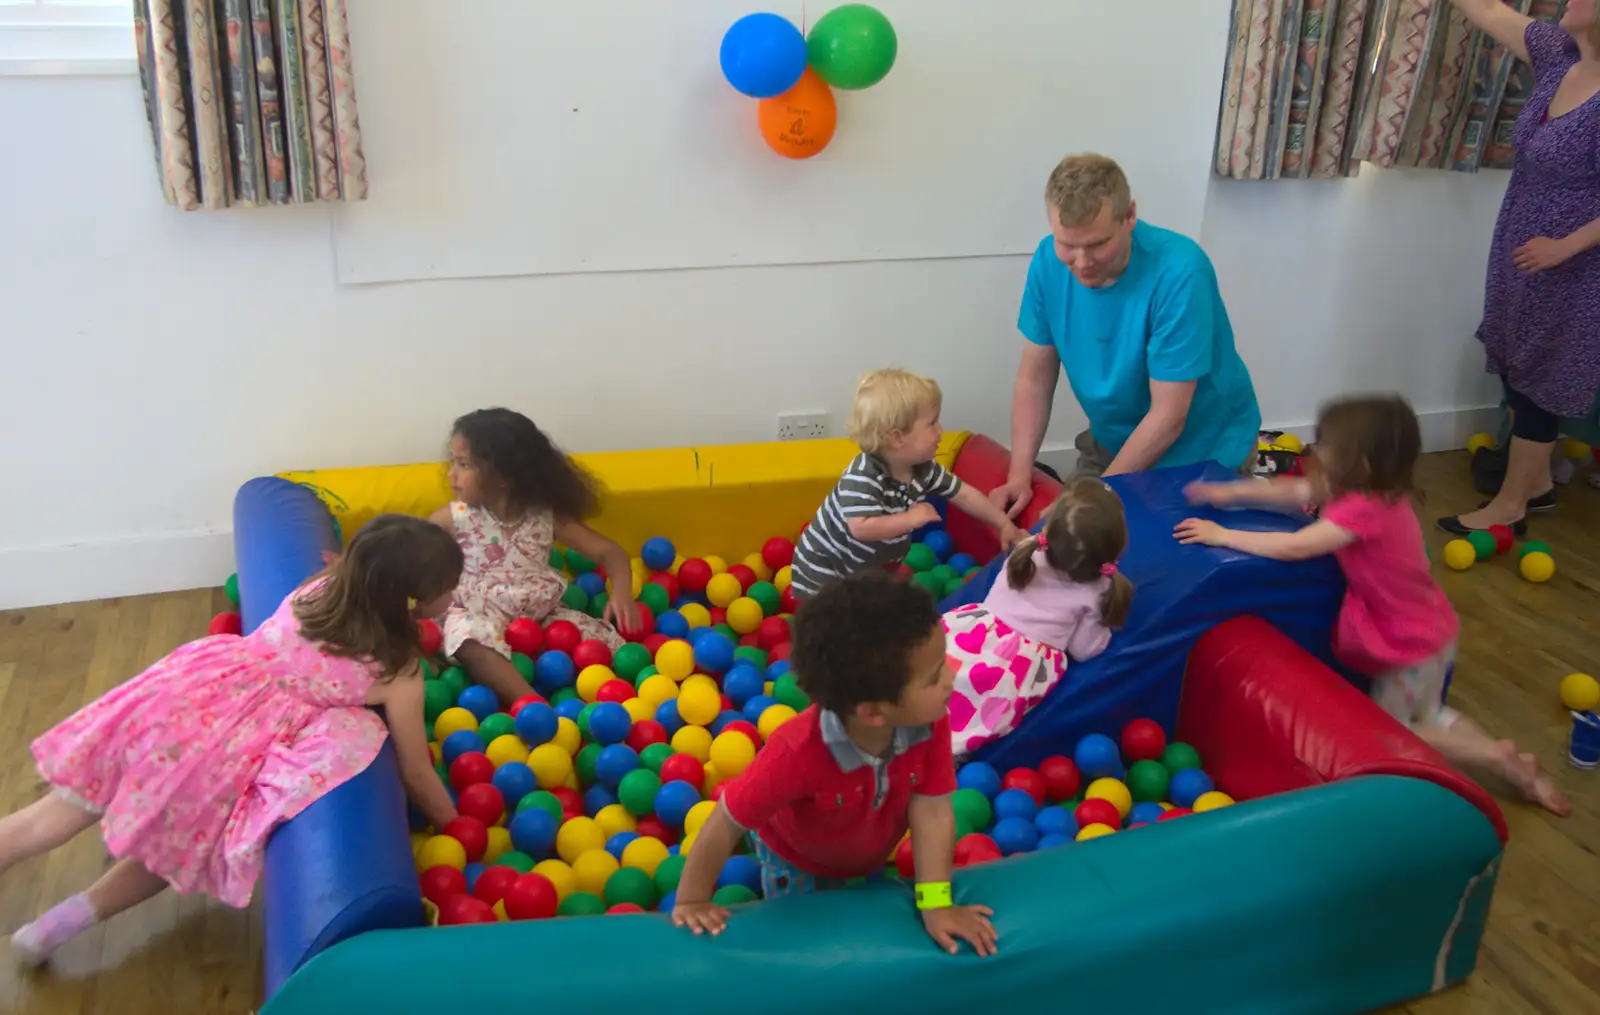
{"type": "Point", "coordinates": [800, 123]}
{"type": "Point", "coordinates": [853, 46]}
{"type": "Point", "coordinates": [763, 55]}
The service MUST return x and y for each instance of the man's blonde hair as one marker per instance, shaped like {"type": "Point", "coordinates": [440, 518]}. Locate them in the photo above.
{"type": "Point", "coordinates": [889, 402]}
{"type": "Point", "coordinates": [1082, 184]}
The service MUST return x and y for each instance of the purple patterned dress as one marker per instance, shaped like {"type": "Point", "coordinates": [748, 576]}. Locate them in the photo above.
{"type": "Point", "coordinates": [1542, 332]}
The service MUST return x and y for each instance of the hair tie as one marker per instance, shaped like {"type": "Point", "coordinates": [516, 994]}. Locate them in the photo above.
{"type": "Point", "coordinates": [411, 603]}
{"type": "Point", "coordinates": [1044, 544]}
{"type": "Point", "coordinates": [1108, 569]}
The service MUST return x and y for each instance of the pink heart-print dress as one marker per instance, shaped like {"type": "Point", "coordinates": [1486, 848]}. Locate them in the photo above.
{"type": "Point", "coordinates": [1001, 674]}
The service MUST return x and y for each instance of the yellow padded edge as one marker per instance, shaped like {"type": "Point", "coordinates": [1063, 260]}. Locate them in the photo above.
{"type": "Point", "coordinates": [724, 500]}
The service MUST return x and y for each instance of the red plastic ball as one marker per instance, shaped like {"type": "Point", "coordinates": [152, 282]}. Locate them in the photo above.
{"type": "Point", "coordinates": [470, 769]}
{"type": "Point", "coordinates": [1176, 812]}
{"type": "Point", "coordinates": [653, 827]}
{"type": "Point", "coordinates": [903, 862]}
{"type": "Point", "coordinates": [1504, 538]}
{"type": "Point", "coordinates": [717, 790]}
{"type": "Point", "coordinates": [562, 636]}
{"type": "Point", "coordinates": [523, 702]}
{"type": "Point", "coordinates": [747, 728]}
{"type": "Point", "coordinates": [777, 652]}
{"type": "Point", "coordinates": [1027, 780]}
{"type": "Point", "coordinates": [693, 575]}
{"type": "Point", "coordinates": [492, 884]}
{"type": "Point", "coordinates": [591, 652]}
{"type": "Point", "coordinates": [484, 802]}
{"type": "Point", "coordinates": [718, 616]}
{"type": "Point", "coordinates": [644, 733]}
{"type": "Point", "coordinates": [524, 635]}
{"type": "Point", "coordinates": [623, 907]}
{"type": "Point", "coordinates": [748, 640]}
{"type": "Point", "coordinates": [571, 802]}
{"type": "Point", "coordinates": [441, 882]}
{"type": "Point", "coordinates": [774, 631]}
{"type": "Point", "coordinates": [471, 833]}
{"type": "Point", "coordinates": [746, 576]}
{"type": "Point", "coordinates": [975, 847]}
{"type": "Point", "coordinates": [668, 582]}
{"type": "Point", "coordinates": [727, 704]}
{"type": "Point", "coordinates": [654, 642]}
{"type": "Point", "coordinates": [226, 623]}
{"type": "Point", "coordinates": [617, 691]}
{"type": "Point", "coordinates": [646, 626]}
{"type": "Point", "coordinates": [777, 553]}
{"type": "Point", "coordinates": [460, 909]}
{"type": "Point", "coordinates": [1061, 778]}
{"type": "Point", "coordinates": [786, 600]}
{"type": "Point", "coordinates": [1097, 812]}
{"type": "Point", "coordinates": [1143, 740]}
{"type": "Point", "coordinates": [683, 768]}
{"type": "Point", "coordinates": [530, 897]}
{"type": "Point", "coordinates": [429, 637]}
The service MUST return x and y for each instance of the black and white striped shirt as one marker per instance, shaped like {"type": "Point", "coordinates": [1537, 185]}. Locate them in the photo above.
{"type": "Point", "coordinates": [827, 551]}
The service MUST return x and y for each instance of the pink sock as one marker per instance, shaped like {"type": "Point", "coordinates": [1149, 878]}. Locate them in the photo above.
{"type": "Point", "coordinates": [36, 941]}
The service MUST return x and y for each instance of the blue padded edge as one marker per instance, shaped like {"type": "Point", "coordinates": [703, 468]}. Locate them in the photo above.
{"type": "Point", "coordinates": [280, 530]}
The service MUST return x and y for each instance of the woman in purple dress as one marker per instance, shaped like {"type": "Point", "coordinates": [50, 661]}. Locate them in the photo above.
{"type": "Point", "coordinates": [1541, 308]}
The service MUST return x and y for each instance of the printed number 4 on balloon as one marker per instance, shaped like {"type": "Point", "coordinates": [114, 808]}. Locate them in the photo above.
{"type": "Point", "coordinates": [798, 126]}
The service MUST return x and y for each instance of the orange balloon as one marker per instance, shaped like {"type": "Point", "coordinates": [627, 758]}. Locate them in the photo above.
{"type": "Point", "coordinates": [799, 123]}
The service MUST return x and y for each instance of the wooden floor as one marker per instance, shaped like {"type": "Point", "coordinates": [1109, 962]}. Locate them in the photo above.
{"type": "Point", "coordinates": [1541, 952]}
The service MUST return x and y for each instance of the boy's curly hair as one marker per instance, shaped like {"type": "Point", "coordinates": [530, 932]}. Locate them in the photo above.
{"type": "Point", "coordinates": [853, 640]}
{"type": "Point", "coordinates": [537, 474]}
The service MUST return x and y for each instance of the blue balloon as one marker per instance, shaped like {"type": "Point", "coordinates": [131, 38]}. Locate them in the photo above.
{"type": "Point", "coordinates": [763, 55]}
{"type": "Point", "coordinates": [619, 842]}
{"type": "Point", "coordinates": [741, 870]}
{"type": "Point", "coordinates": [596, 799]}
{"type": "Point", "coordinates": [609, 723]}
{"type": "Point", "coordinates": [962, 562]}
{"type": "Point", "coordinates": [742, 683]}
{"type": "Point", "coordinates": [533, 831]}
{"type": "Point", "coordinates": [480, 701]}
{"type": "Point", "coordinates": [553, 671]}
{"type": "Point", "coordinates": [755, 706]}
{"type": "Point", "coordinates": [614, 762]}
{"type": "Point", "coordinates": [1188, 785]}
{"type": "Point", "coordinates": [667, 715]}
{"type": "Point", "coordinates": [1015, 803]}
{"type": "Point", "coordinates": [1097, 757]}
{"type": "Point", "coordinates": [981, 776]}
{"type": "Point", "coordinates": [671, 624]}
{"type": "Point", "coordinates": [713, 652]}
{"type": "Point", "coordinates": [673, 802]}
{"type": "Point", "coordinates": [591, 584]}
{"type": "Point", "coordinates": [1014, 835]}
{"type": "Point", "coordinates": [939, 541]}
{"type": "Point", "coordinates": [514, 780]}
{"type": "Point", "coordinates": [1056, 821]}
{"type": "Point", "coordinates": [1144, 813]}
{"type": "Point", "coordinates": [458, 743]}
{"type": "Point", "coordinates": [570, 708]}
{"type": "Point", "coordinates": [658, 553]}
{"type": "Point", "coordinates": [536, 724]}
{"type": "Point", "coordinates": [1052, 841]}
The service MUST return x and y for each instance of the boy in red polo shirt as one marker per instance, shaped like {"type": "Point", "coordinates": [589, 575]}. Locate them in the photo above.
{"type": "Point", "coordinates": [836, 787]}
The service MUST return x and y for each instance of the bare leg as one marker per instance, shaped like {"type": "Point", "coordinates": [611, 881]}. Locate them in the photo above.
{"type": "Point", "coordinates": [1527, 476]}
{"type": "Point", "coordinates": [40, 827]}
{"type": "Point", "coordinates": [124, 886]}
{"type": "Point", "coordinates": [491, 669]}
{"type": "Point", "coordinates": [1465, 743]}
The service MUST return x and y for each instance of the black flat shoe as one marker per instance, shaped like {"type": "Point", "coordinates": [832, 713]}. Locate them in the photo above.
{"type": "Point", "coordinates": [1452, 524]}
{"type": "Point", "coordinates": [1542, 504]}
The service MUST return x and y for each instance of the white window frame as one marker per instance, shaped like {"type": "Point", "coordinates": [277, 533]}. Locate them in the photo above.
{"type": "Point", "coordinates": [66, 37]}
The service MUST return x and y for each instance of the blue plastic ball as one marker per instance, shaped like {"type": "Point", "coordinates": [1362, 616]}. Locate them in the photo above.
{"type": "Point", "coordinates": [1015, 803]}
{"type": "Point", "coordinates": [672, 850]}
{"type": "Point", "coordinates": [742, 683]}
{"type": "Point", "coordinates": [777, 669]}
{"type": "Point", "coordinates": [619, 842]}
{"type": "Point", "coordinates": [1097, 757]}
{"type": "Point", "coordinates": [609, 723]}
{"type": "Point", "coordinates": [514, 780]}
{"type": "Point", "coordinates": [570, 708]}
{"type": "Point", "coordinates": [671, 624]}
{"type": "Point", "coordinates": [723, 719]}
{"type": "Point", "coordinates": [473, 871]}
{"type": "Point", "coordinates": [962, 562]}
{"type": "Point", "coordinates": [536, 724]}
{"type": "Point", "coordinates": [591, 584]}
{"type": "Point", "coordinates": [480, 701]}
{"type": "Point", "coordinates": [658, 553]}
{"type": "Point", "coordinates": [458, 743]}
{"type": "Point", "coordinates": [697, 598]}
{"type": "Point", "coordinates": [1188, 785]}
{"type": "Point", "coordinates": [755, 706]}
{"type": "Point", "coordinates": [553, 670]}
{"type": "Point", "coordinates": [696, 633]}
{"type": "Point", "coordinates": [614, 762]}
{"type": "Point", "coordinates": [1015, 835]}
{"type": "Point", "coordinates": [597, 799]}
{"type": "Point", "coordinates": [1144, 813]}
{"type": "Point", "coordinates": [668, 901]}
{"type": "Point", "coordinates": [533, 831]}
{"type": "Point", "coordinates": [1055, 821]}
{"type": "Point", "coordinates": [713, 652]}
{"type": "Point", "coordinates": [939, 541]}
{"type": "Point", "coordinates": [981, 776]}
{"type": "Point", "coordinates": [667, 716]}
{"type": "Point", "coordinates": [673, 801]}
{"type": "Point", "coordinates": [415, 819]}
{"type": "Point", "coordinates": [741, 870]}
{"type": "Point", "coordinates": [1052, 841]}
{"type": "Point", "coordinates": [763, 55]}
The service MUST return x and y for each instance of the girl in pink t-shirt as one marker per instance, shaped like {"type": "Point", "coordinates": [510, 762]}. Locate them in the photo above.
{"type": "Point", "coordinates": [1396, 625]}
{"type": "Point", "coordinates": [1059, 596]}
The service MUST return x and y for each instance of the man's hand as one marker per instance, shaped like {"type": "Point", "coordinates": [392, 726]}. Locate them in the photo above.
{"type": "Point", "coordinates": [1542, 253]}
{"type": "Point", "coordinates": [1199, 530]}
{"type": "Point", "coordinates": [1014, 497]}
{"type": "Point", "coordinates": [1010, 536]}
{"type": "Point", "coordinates": [700, 917]}
{"type": "Point", "coordinates": [960, 923]}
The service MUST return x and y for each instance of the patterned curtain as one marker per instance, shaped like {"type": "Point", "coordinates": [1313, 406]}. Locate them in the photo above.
{"type": "Point", "coordinates": [1313, 88]}
{"type": "Point", "coordinates": [250, 102]}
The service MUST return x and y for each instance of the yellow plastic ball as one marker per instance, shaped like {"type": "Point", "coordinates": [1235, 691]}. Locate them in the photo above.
{"type": "Point", "coordinates": [1580, 692]}
{"type": "Point", "coordinates": [560, 874]}
{"type": "Point", "coordinates": [687, 844]}
{"type": "Point", "coordinates": [767, 687]}
{"type": "Point", "coordinates": [499, 843]}
{"type": "Point", "coordinates": [1289, 442]}
{"type": "Point", "coordinates": [755, 563]}
{"type": "Point", "coordinates": [577, 836]}
{"type": "Point", "coordinates": [695, 614]}
{"type": "Point", "coordinates": [697, 816]}
{"type": "Point", "coordinates": [712, 777]}
{"type": "Point", "coordinates": [677, 562]}
{"type": "Point", "coordinates": [508, 747]}
{"type": "Point", "coordinates": [1459, 555]}
{"type": "Point", "coordinates": [1477, 441]}
{"type": "Point", "coordinates": [637, 568]}
{"type": "Point", "coordinates": [675, 658]}
{"type": "Point", "coordinates": [772, 718]}
{"type": "Point", "coordinates": [567, 736]}
{"type": "Point", "coordinates": [644, 853]}
{"type": "Point", "coordinates": [784, 577]}
{"type": "Point", "coordinates": [590, 679]}
{"type": "Point", "coordinates": [593, 869]}
{"type": "Point", "coordinates": [418, 840]}
{"type": "Point", "coordinates": [435, 750]}
{"type": "Point", "coordinates": [657, 689]}
{"type": "Point", "coordinates": [442, 851]}
{"type": "Point", "coordinates": [745, 615]}
{"type": "Point", "coordinates": [615, 818]}
{"type": "Point", "coordinates": [638, 709]}
{"type": "Point", "coordinates": [1094, 831]}
{"type": "Point", "coordinates": [453, 720]}
{"type": "Point", "coordinates": [551, 765]}
{"type": "Point", "coordinates": [698, 704]}
{"type": "Point", "coordinates": [571, 781]}
{"type": "Point", "coordinates": [1538, 566]}
{"type": "Point", "coordinates": [1113, 792]}
{"type": "Point", "coordinates": [732, 752]}
{"type": "Point", "coordinates": [723, 589]}
{"type": "Point", "coordinates": [1211, 801]}
{"type": "Point", "coordinates": [1574, 448]}
{"type": "Point", "coordinates": [500, 911]}
{"type": "Point", "coordinates": [717, 564]}
{"type": "Point", "coordinates": [693, 740]}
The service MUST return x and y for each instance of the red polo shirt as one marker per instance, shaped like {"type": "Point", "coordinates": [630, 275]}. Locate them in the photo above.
{"type": "Point", "coordinates": [821, 803]}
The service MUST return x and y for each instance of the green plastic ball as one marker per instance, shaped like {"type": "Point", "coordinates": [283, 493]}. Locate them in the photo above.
{"type": "Point", "coordinates": [653, 756]}
{"type": "Point", "coordinates": [733, 895]}
{"type": "Point", "coordinates": [1179, 756]}
{"type": "Point", "coordinates": [558, 560]}
{"type": "Point", "coordinates": [583, 719]}
{"type": "Point", "coordinates": [752, 655]}
{"type": "Point", "coordinates": [927, 581]}
{"type": "Point", "coordinates": [953, 586]}
{"type": "Point", "coordinates": [630, 884]}
{"type": "Point", "coordinates": [455, 678]}
{"type": "Point", "coordinates": [518, 861]}
{"type": "Point", "coordinates": [768, 596]}
{"type": "Point", "coordinates": [971, 571]}
{"type": "Point", "coordinates": [564, 694]}
{"type": "Point", "coordinates": [429, 671]}
{"type": "Point", "coordinates": [944, 574]}
{"type": "Point", "coordinates": [644, 674]}
{"type": "Point", "coordinates": [727, 632]}
{"type": "Point", "coordinates": [440, 768]}
{"type": "Point", "coordinates": [628, 660]}
{"type": "Point", "coordinates": [544, 800]}
{"type": "Point", "coordinates": [496, 725]}
{"type": "Point", "coordinates": [1534, 546]}
{"type": "Point", "coordinates": [585, 761]}
{"type": "Point", "coordinates": [523, 664]}
{"type": "Point", "coordinates": [581, 904]}
{"type": "Point", "coordinates": [852, 47]}
{"type": "Point", "coordinates": [577, 563]}
{"type": "Point", "coordinates": [436, 698]}
{"type": "Point", "coordinates": [920, 558]}
{"type": "Point", "coordinates": [1482, 542]}
{"type": "Point", "coordinates": [655, 597]}
{"type": "Point", "coordinates": [669, 873]}
{"type": "Point", "coordinates": [230, 588]}
{"type": "Point", "coordinates": [1147, 781]}
{"type": "Point", "coordinates": [787, 691]}
{"type": "Point", "coordinates": [637, 791]}
{"type": "Point", "coordinates": [575, 599]}
{"type": "Point", "coordinates": [597, 605]}
{"type": "Point", "coordinates": [973, 812]}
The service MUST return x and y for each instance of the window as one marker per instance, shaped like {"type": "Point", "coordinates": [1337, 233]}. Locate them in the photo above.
{"type": "Point", "coordinates": [66, 37]}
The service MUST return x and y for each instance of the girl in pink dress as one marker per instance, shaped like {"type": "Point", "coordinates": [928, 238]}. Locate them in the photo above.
{"type": "Point", "coordinates": [188, 766]}
{"type": "Point", "coordinates": [1396, 624]}
{"type": "Point", "coordinates": [516, 493]}
{"type": "Point", "coordinates": [1059, 597]}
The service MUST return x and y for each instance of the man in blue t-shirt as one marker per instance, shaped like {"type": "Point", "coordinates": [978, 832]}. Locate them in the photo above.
{"type": "Point", "coordinates": [1133, 314]}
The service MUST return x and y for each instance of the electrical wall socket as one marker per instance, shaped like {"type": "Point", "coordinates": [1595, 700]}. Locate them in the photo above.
{"type": "Point", "coordinates": [802, 426]}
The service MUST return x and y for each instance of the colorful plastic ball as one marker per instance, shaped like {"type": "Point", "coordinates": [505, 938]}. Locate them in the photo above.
{"type": "Point", "coordinates": [1015, 835]}
{"type": "Point", "coordinates": [645, 853]}
{"type": "Point", "coordinates": [471, 768]}
{"type": "Point", "coordinates": [593, 869]}
{"type": "Point", "coordinates": [491, 885]}
{"type": "Point", "coordinates": [569, 707]}
{"type": "Point", "coordinates": [693, 576]}
{"type": "Point", "coordinates": [544, 801]}
{"type": "Point", "coordinates": [454, 745]}
{"type": "Point", "coordinates": [535, 723]}
{"type": "Point", "coordinates": [1015, 803]}
{"type": "Point", "coordinates": [614, 818]}
{"type": "Point", "coordinates": [1537, 567]}
{"type": "Point", "coordinates": [699, 703]}
{"type": "Point", "coordinates": [482, 801]}
{"type": "Point", "coordinates": [1459, 554]}
{"type": "Point", "coordinates": [630, 885]}
{"type": "Point", "coordinates": [655, 597]}
{"type": "Point", "coordinates": [554, 670]}
{"type": "Point", "coordinates": [713, 653]}
{"type": "Point", "coordinates": [657, 553]}
{"type": "Point", "coordinates": [1179, 756]}
{"type": "Point", "coordinates": [578, 836]}
{"type": "Point", "coordinates": [675, 659]}
{"type": "Point", "coordinates": [673, 802]}
{"type": "Point", "coordinates": [972, 810]}
{"type": "Point", "coordinates": [637, 790]}
{"type": "Point", "coordinates": [226, 623]}
{"type": "Point", "coordinates": [980, 776]}
{"type": "Point", "coordinates": [583, 765]}
{"type": "Point", "coordinates": [1483, 543]}
{"type": "Point", "coordinates": [1174, 813]}
{"type": "Point", "coordinates": [1061, 778]}
{"type": "Point", "coordinates": [1148, 780]}
{"type": "Point", "coordinates": [668, 872]}
{"type": "Point", "coordinates": [667, 715]}
{"type": "Point", "coordinates": [442, 851]}
{"type": "Point", "coordinates": [787, 690]}
{"type": "Point", "coordinates": [1054, 841]}
{"type": "Point", "coordinates": [609, 723]}
{"type": "Point", "coordinates": [496, 726]}
{"type": "Point", "coordinates": [1143, 740]}
{"type": "Point", "coordinates": [672, 624]}
{"type": "Point", "coordinates": [1504, 538]}
{"type": "Point", "coordinates": [975, 848]}
{"type": "Point", "coordinates": [591, 584]}
{"type": "Point", "coordinates": [531, 896]}
{"type": "Point", "coordinates": [733, 895]}
{"type": "Point", "coordinates": [745, 615]}
{"type": "Point", "coordinates": [1533, 546]}
{"type": "Point", "coordinates": [645, 733]}
{"type": "Point", "coordinates": [499, 844]}
{"type": "Point", "coordinates": [514, 780]}
{"type": "Point", "coordinates": [464, 909]}
{"type": "Point", "coordinates": [559, 874]}
{"type": "Point", "coordinates": [723, 589]}
{"type": "Point", "coordinates": [505, 750]}
{"type": "Point", "coordinates": [533, 831]}
{"type": "Point", "coordinates": [522, 664]}
{"type": "Point", "coordinates": [693, 740]}
{"type": "Point", "coordinates": [962, 563]}
{"type": "Point", "coordinates": [684, 768]}
{"type": "Point", "coordinates": [1211, 801]}
{"type": "Point", "coordinates": [1027, 780]}
{"type": "Point", "coordinates": [1144, 813]}
{"type": "Point", "coordinates": [1055, 821]}
{"type": "Point", "coordinates": [471, 833]}
{"type": "Point", "coordinates": [619, 842]}
{"type": "Point", "coordinates": [436, 697]}
{"type": "Point", "coordinates": [455, 678]}
{"type": "Point", "coordinates": [581, 904]}
{"type": "Point", "coordinates": [551, 765]}
{"type": "Point", "coordinates": [591, 652]}
{"type": "Point", "coordinates": [453, 720]}
{"type": "Point", "coordinates": [629, 660]}
{"type": "Point", "coordinates": [742, 683]}
{"type": "Point", "coordinates": [653, 756]}
{"type": "Point", "coordinates": [524, 635]}
{"type": "Point", "coordinates": [757, 705]}
{"type": "Point", "coordinates": [1095, 831]}
{"type": "Point", "coordinates": [1114, 792]}
{"type": "Point", "coordinates": [772, 718]}
{"type": "Point", "coordinates": [1095, 811]}
{"type": "Point", "coordinates": [1579, 692]}
{"type": "Point", "coordinates": [561, 636]}
{"type": "Point", "coordinates": [439, 883]}
{"type": "Point", "coordinates": [732, 753]}
{"type": "Point", "coordinates": [1097, 757]}
{"type": "Point", "coordinates": [1187, 786]}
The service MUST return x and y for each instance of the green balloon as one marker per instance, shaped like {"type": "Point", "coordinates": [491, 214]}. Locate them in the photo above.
{"type": "Point", "coordinates": [520, 862]}
{"type": "Point", "coordinates": [496, 725]}
{"type": "Point", "coordinates": [586, 759]}
{"type": "Point", "coordinates": [1179, 756]}
{"type": "Point", "coordinates": [629, 660]}
{"type": "Point", "coordinates": [669, 873]}
{"type": "Point", "coordinates": [644, 674]}
{"type": "Point", "coordinates": [853, 46]}
{"type": "Point", "coordinates": [787, 691]}
{"type": "Point", "coordinates": [767, 595]}
{"type": "Point", "coordinates": [655, 597]}
{"type": "Point", "coordinates": [630, 884]}
{"type": "Point", "coordinates": [752, 655]}
{"type": "Point", "coordinates": [577, 563]}
{"type": "Point", "coordinates": [637, 791]}
{"type": "Point", "coordinates": [544, 800]}
{"type": "Point", "coordinates": [733, 895]}
{"type": "Point", "coordinates": [1533, 546]}
{"type": "Point", "coordinates": [455, 678]}
{"type": "Point", "coordinates": [920, 558]}
{"type": "Point", "coordinates": [1482, 542]}
{"type": "Point", "coordinates": [558, 560]}
{"type": "Point", "coordinates": [652, 757]}
{"type": "Point", "coordinates": [231, 589]}
{"type": "Point", "coordinates": [973, 812]}
{"type": "Point", "coordinates": [1147, 781]}
{"type": "Point", "coordinates": [436, 698]}
{"type": "Point", "coordinates": [575, 598]}
{"type": "Point", "coordinates": [581, 904]}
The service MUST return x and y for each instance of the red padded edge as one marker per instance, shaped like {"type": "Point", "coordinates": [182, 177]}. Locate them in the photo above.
{"type": "Point", "coordinates": [1266, 717]}
{"type": "Point", "coordinates": [982, 464]}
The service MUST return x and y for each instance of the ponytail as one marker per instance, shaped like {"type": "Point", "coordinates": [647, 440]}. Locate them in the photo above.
{"type": "Point", "coordinates": [1020, 567]}
{"type": "Point", "coordinates": [1116, 600]}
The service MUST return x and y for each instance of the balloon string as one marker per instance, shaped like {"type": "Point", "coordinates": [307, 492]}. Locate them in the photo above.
{"type": "Point", "coordinates": [802, 17]}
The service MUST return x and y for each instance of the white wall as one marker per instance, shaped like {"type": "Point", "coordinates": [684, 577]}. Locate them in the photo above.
{"type": "Point", "coordinates": [151, 361]}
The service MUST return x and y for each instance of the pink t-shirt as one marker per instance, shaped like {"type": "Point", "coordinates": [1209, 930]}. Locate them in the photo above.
{"type": "Point", "coordinates": [1394, 613]}
{"type": "Point", "coordinates": [1053, 610]}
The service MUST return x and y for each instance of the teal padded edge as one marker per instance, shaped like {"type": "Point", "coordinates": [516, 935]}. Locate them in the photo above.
{"type": "Point", "coordinates": [1334, 899]}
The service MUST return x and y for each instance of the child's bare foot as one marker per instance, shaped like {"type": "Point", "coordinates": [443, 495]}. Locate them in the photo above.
{"type": "Point", "coordinates": [1524, 773]}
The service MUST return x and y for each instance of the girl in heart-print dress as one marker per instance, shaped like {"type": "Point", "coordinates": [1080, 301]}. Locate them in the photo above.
{"type": "Point", "coordinates": [1058, 597]}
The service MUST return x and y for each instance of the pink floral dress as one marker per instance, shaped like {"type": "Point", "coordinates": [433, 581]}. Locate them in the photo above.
{"type": "Point", "coordinates": [507, 574]}
{"type": "Point", "coordinates": [193, 762]}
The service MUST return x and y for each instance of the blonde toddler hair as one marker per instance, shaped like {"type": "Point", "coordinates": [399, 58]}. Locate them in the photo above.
{"type": "Point", "coordinates": [889, 402]}
{"type": "Point", "coordinates": [1083, 184]}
